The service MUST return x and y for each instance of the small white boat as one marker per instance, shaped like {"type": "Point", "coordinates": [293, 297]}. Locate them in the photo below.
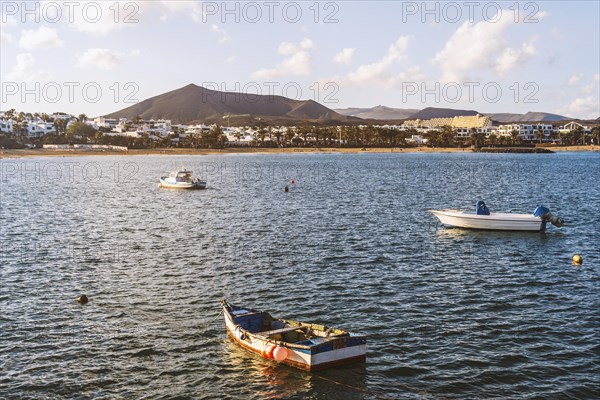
{"type": "Point", "coordinates": [181, 179]}
{"type": "Point", "coordinates": [482, 218]}
{"type": "Point", "coordinates": [302, 345]}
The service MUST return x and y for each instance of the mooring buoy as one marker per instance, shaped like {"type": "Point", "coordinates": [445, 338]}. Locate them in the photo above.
{"type": "Point", "coordinates": [82, 299]}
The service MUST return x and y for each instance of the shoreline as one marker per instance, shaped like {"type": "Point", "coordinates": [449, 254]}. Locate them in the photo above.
{"type": "Point", "coordinates": [31, 153]}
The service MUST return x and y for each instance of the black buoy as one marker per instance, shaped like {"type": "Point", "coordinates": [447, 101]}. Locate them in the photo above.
{"type": "Point", "coordinates": [82, 299]}
{"type": "Point", "coordinates": [287, 189]}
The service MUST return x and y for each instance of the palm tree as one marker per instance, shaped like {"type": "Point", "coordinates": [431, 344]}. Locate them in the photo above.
{"type": "Point", "coordinates": [290, 134]}
{"type": "Point", "coordinates": [477, 138]}
{"type": "Point", "coordinates": [82, 118]}
{"type": "Point", "coordinates": [515, 136]}
{"type": "Point", "coordinates": [579, 133]}
{"type": "Point", "coordinates": [576, 134]}
{"type": "Point", "coordinates": [261, 136]}
{"type": "Point", "coordinates": [278, 136]}
{"type": "Point", "coordinates": [23, 129]}
{"type": "Point", "coordinates": [595, 134]}
{"type": "Point", "coordinates": [447, 135]}
{"type": "Point", "coordinates": [433, 137]}
{"type": "Point", "coordinates": [10, 114]}
{"type": "Point", "coordinates": [539, 135]}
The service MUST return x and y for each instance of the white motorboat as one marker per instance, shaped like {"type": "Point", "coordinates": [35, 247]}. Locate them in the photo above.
{"type": "Point", "coordinates": [181, 179]}
{"type": "Point", "coordinates": [482, 218]}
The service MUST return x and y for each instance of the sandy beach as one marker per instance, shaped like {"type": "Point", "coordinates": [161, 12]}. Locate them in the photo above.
{"type": "Point", "coordinates": [14, 153]}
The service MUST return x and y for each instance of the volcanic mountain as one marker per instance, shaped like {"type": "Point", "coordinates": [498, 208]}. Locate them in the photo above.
{"type": "Point", "coordinates": [194, 103]}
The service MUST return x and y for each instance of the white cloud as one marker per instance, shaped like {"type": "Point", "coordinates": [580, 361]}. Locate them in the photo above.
{"type": "Point", "coordinates": [221, 32]}
{"type": "Point", "coordinates": [42, 38]}
{"type": "Point", "coordinates": [23, 70]}
{"type": "Point", "coordinates": [231, 59]}
{"type": "Point", "coordinates": [298, 62]}
{"type": "Point", "coordinates": [511, 58]}
{"type": "Point", "coordinates": [97, 17]}
{"type": "Point", "coordinates": [101, 58]}
{"type": "Point", "coordinates": [383, 72]}
{"type": "Point", "coordinates": [344, 56]}
{"type": "Point", "coordinates": [380, 71]}
{"type": "Point", "coordinates": [10, 20]}
{"type": "Point", "coordinates": [481, 45]}
{"type": "Point", "coordinates": [574, 79]}
{"type": "Point", "coordinates": [191, 8]}
{"type": "Point", "coordinates": [592, 87]}
{"type": "Point", "coordinates": [584, 107]}
{"type": "Point", "coordinates": [6, 38]}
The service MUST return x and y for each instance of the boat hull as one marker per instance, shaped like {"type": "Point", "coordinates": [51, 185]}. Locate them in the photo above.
{"type": "Point", "coordinates": [183, 185]}
{"type": "Point", "coordinates": [298, 356]}
{"type": "Point", "coordinates": [493, 221]}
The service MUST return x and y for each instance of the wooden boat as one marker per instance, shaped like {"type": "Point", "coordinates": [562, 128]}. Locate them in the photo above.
{"type": "Point", "coordinates": [305, 346]}
{"type": "Point", "coordinates": [181, 179]}
{"type": "Point", "coordinates": [482, 218]}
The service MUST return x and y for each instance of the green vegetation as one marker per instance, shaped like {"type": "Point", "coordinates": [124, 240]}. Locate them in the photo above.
{"type": "Point", "coordinates": [304, 134]}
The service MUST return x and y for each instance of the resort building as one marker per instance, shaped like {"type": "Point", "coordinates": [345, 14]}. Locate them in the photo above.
{"type": "Point", "coordinates": [573, 126]}
{"type": "Point", "coordinates": [527, 132]}
{"type": "Point", "coordinates": [463, 125]}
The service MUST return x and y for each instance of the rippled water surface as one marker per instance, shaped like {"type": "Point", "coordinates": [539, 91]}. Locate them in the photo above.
{"type": "Point", "coordinates": [449, 313]}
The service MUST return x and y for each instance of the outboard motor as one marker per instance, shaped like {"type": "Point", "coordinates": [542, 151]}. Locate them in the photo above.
{"type": "Point", "coordinates": [543, 213]}
{"type": "Point", "coordinates": [481, 209]}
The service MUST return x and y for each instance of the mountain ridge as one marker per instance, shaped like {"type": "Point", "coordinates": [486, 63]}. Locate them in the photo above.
{"type": "Point", "coordinates": [433, 112]}
{"type": "Point", "coordinates": [193, 103]}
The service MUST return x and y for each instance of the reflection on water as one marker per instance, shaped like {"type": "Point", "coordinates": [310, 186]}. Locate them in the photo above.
{"type": "Point", "coordinates": [448, 312]}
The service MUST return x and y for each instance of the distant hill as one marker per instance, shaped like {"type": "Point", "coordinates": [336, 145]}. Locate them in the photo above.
{"type": "Point", "coordinates": [433, 112]}
{"type": "Point", "coordinates": [528, 117]}
{"type": "Point", "coordinates": [194, 103]}
{"type": "Point", "coordinates": [378, 112]}
{"type": "Point", "coordinates": [388, 113]}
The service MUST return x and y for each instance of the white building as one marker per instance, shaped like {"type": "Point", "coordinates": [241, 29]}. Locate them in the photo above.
{"type": "Point", "coordinates": [526, 131]}
{"type": "Point", "coordinates": [102, 122]}
{"type": "Point", "coordinates": [39, 128]}
{"type": "Point", "coordinates": [34, 127]}
{"type": "Point", "coordinates": [6, 125]}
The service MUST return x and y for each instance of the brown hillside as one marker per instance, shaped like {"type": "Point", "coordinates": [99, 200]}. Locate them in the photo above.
{"type": "Point", "coordinates": [196, 103]}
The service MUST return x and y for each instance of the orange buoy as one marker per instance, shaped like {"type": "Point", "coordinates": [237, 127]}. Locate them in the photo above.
{"type": "Point", "coordinates": [270, 349]}
{"type": "Point", "coordinates": [280, 353]}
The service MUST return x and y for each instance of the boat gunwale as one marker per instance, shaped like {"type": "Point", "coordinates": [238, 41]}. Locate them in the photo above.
{"type": "Point", "coordinates": [257, 335]}
{"type": "Point", "coordinates": [521, 218]}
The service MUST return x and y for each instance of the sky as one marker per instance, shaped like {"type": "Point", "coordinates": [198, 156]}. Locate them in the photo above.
{"type": "Point", "coordinates": [97, 57]}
